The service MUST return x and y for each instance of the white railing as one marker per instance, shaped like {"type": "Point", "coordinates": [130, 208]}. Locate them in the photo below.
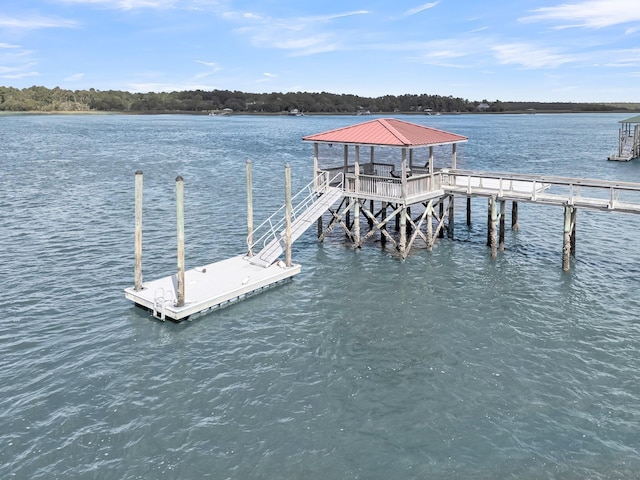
{"type": "Point", "coordinates": [273, 226]}
{"type": "Point", "coordinates": [603, 193]}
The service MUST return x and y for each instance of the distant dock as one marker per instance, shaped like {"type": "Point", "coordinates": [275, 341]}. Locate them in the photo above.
{"type": "Point", "coordinates": [628, 140]}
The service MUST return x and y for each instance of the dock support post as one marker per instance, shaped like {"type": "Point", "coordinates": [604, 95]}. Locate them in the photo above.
{"type": "Point", "coordinates": [180, 222]}
{"type": "Point", "coordinates": [250, 208]}
{"type": "Point", "coordinates": [569, 217]}
{"type": "Point", "coordinates": [430, 225]}
{"type": "Point", "coordinates": [287, 215]}
{"type": "Point", "coordinates": [320, 228]}
{"type": "Point", "coordinates": [383, 219]}
{"type": "Point", "coordinates": [402, 245]}
{"type": "Point", "coordinates": [503, 206]}
{"type": "Point", "coordinates": [138, 232]}
{"type": "Point", "coordinates": [468, 211]}
{"type": "Point", "coordinates": [573, 232]}
{"type": "Point", "coordinates": [441, 208]}
{"type": "Point", "coordinates": [450, 226]}
{"type": "Point", "coordinates": [371, 207]}
{"type": "Point", "coordinates": [356, 223]}
{"type": "Point", "coordinates": [514, 217]}
{"type": "Point", "coordinates": [493, 235]}
{"type": "Point", "coordinates": [489, 222]}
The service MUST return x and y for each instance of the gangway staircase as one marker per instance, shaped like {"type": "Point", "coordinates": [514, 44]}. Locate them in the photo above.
{"type": "Point", "coordinates": [308, 205]}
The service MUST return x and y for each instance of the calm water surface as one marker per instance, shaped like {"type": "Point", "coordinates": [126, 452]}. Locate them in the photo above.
{"type": "Point", "coordinates": [447, 365]}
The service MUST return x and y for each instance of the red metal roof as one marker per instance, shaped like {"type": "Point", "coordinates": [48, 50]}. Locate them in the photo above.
{"type": "Point", "coordinates": [389, 132]}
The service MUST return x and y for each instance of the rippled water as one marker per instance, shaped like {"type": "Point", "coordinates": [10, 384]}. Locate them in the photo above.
{"type": "Point", "coordinates": [447, 365]}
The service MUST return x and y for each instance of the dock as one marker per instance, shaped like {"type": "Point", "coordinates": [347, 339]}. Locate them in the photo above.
{"type": "Point", "coordinates": [377, 176]}
{"type": "Point", "coordinates": [209, 287]}
{"type": "Point", "coordinates": [628, 140]}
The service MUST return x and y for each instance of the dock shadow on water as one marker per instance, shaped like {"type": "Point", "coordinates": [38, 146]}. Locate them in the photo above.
{"type": "Point", "coordinates": [445, 365]}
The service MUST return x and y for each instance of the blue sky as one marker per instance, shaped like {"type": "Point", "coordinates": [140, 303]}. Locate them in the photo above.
{"type": "Point", "coordinates": [539, 50]}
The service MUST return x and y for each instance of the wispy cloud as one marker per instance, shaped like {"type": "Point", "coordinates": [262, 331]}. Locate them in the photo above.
{"type": "Point", "coordinates": [421, 8]}
{"type": "Point", "coordinates": [588, 14]}
{"type": "Point", "coordinates": [300, 35]}
{"type": "Point", "coordinates": [34, 22]}
{"type": "Point", "coordinates": [267, 77]}
{"type": "Point", "coordinates": [213, 65]}
{"type": "Point", "coordinates": [126, 4]}
{"type": "Point", "coordinates": [14, 73]}
{"type": "Point", "coordinates": [529, 56]}
{"type": "Point", "coordinates": [75, 77]}
{"type": "Point", "coordinates": [8, 45]}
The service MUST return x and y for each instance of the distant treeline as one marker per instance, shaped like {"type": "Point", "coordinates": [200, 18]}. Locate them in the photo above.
{"type": "Point", "coordinates": [42, 99]}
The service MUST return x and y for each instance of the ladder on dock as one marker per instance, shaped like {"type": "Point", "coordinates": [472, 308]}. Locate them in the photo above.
{"type": "Point", "coordinates": [305, 212]}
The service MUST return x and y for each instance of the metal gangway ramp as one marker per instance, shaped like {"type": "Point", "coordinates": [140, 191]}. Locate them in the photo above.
{"type": "Point", "coordinates": [308, 205]}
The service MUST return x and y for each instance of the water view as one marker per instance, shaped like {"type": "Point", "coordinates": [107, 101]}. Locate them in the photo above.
{"type": "Point", "coordinates": [445, 365]}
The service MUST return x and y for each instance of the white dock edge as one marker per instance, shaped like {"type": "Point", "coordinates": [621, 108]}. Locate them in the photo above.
{"type": "Point", "coordinates": [208, 287]}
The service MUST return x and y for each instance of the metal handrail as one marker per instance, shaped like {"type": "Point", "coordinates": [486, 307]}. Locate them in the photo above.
{"type": "Point", "coordinates": [276, 222]}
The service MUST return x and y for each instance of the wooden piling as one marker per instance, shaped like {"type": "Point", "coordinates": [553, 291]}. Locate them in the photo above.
{"type": "Point", "coordinates": [503, 206]}
{"type": "Point", "coordinates": [489, 222]}
{"type": "Point", "coordinates": [249, 209]}
{"type": "Point", "coordinates": [288, 208]}
{"type": "Point", "coordinates": [430, 225]}
{"type": "Point", "coordinates": [514, 217]}
{"type": "Point", "coordinates": [180, 231]}
{"type": "Point", "coordinates": [451, 218]}
{"type": "Point", "coordinates": [573, 231]}
{"type": "Point", "coordinates": [383, 220]}
{"type": "Point", "coordinates": [356, 224]}
{"type": "Point", "coordinates": [494, 227]}
{"type": "Point", "coordinates": [402, 244]}
{"type": "Point", "coordinates": [441, 208]}
{"type": "Point", "coordinates": [566, 246]}
{"type": "Point", "coordinates": [138, 232]}
{"type": "Point", "coordinates": [468, 211]}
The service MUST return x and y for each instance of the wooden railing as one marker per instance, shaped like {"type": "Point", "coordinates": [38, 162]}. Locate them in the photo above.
{"type": "Point", "coordinates": [378, 182]}
{"type": "Point", "coordinates": [547, 189]}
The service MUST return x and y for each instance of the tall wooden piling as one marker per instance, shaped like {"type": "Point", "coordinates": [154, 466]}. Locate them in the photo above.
{"type": "Point", "coordinates": [138, 232]}
{"type": "Point", "coordinates": [402, 244]}
{"type": "Point", "coordinates": [287, 215]}
{"type": "Point", "coordinates": [493, 236]}
{"type": "Point", "coordinates": [249, 208]}
{"type": "Point", "coordinates": [514, 217]}
{"type": "Point", "coordinates": [430, 225]}
{"type": "Point", "coordinates": [451, 218]}
{"type": "Point", "coordinates": [573, 232]}
{"type": "Point", "coordinates": [383, 220]}
{"type": "Point", "coordinates": [568, 229]}
{"type": "Point", "coordinates": [503, 206]}
{"type": "Point", "coordinates": [468, 211]}
{"type": "Point", "coordinates": [180, 229]}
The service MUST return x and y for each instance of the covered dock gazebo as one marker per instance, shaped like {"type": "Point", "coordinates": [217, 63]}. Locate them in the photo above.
{"type": "Point", "coordinates": [382, 161]}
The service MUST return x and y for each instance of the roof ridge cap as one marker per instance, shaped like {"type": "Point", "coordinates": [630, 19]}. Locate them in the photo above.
{"type": "Point", "coordinates": [384, 122]}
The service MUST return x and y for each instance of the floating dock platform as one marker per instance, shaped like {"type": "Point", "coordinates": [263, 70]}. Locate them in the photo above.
{"type": "Point", "coordinates": [209, 287]}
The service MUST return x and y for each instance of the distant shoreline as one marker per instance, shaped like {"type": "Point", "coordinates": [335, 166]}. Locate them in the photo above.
{"type": "Point", "coordinates": [285, 114]}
